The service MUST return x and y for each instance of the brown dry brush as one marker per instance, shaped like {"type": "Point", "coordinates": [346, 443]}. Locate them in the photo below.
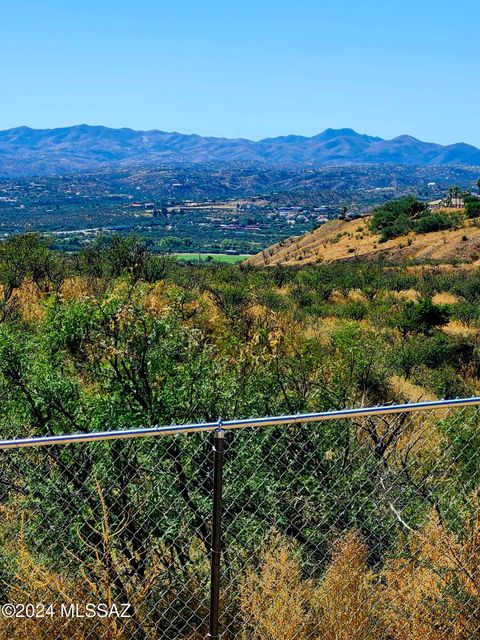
{"type": "Point", "coordinates": [278, 604]}
{"type": "Point", "coordinates": [32, 580]}
{"type": "Point", "coordinates": [33, 583]}
{"type": "Point", "coordinates": [433, 592]}
{"type": "Point", "coordinates": [275, 600]}
{"type": "Point", "coordinates": [344, 604]}
{"type": "Point", "coordinates": [429, 591]}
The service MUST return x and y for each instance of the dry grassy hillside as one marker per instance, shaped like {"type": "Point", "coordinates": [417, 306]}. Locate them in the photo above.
{"type": "Point", "coordinates": [347, 240]}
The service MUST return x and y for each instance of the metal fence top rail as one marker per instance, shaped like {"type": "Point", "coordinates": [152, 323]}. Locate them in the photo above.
{"type": "Point", "coordinates": [143, 432]}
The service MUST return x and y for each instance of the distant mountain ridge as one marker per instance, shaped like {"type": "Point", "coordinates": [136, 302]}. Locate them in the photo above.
{"type": "Point", "coordinates": [26, 151]}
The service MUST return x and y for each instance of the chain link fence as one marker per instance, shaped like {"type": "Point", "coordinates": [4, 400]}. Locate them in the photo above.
{"type": "Point", "coordinates": [354, 525]}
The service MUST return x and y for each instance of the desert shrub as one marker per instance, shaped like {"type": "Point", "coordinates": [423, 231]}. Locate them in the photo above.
{"type": "Point", "coordinates": [421, 317]}
{"type": "Point", "coordinates": [437, 361]}
{"type": "Point", "coordinates": [404, 357]}
{"type": "Point", "coordinates": [468, 287]}
{"type": "Point", "coordinates": [395, 218]}
{"type": "Point", "coordinates": [432, 592]}
{"type": "Point", "coordinates": [435, 222]}
{"type": "Point", "coordinates": [466, 312]}
{"type": "Point", "coordinates": [354, 310]}
{"type": "Point", "coordinates": [32, 582]}
{"type": "Point", "coordinates": [344, 603]}
{"type": "Point", "coordinates": [275, 600]}
{"type": "Point", "coordinates": [433, 352]}
{"type": "Point", "coordinates": [473, 208]}
{"type": "Point", "coordinates": [273, 301]}
{"type": "Point", "coordinates": [303, 296]}
{"type": "Point", "coordinates": [279, 604]}
{"type": "Point", "coordinates": [398, 217]}
{"type": "Point", "coordinates": [444, 381]}
{"type": "Point", "coordinates": [439, 349]}
{"type": "Point", "coordinates": [427, 588]}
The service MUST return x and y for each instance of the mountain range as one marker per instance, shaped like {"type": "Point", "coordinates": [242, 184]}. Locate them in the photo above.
{"type": "Point", "coordinates": [26, 151]}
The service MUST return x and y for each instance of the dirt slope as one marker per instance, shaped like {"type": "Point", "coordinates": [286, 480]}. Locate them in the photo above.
{"type": "Point", "coordinates": [347, 240]}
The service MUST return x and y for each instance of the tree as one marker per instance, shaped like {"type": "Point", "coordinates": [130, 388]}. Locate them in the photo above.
{"type": "Point", "coordinates": [434, 222]}
{"type": "Point", "coordinates": [29, 257]}
{"type": "Point", "coordinates": [422, 317]}
{"type": "Point", "coordinates": [116, 256]}
{"type": "Point", "coordinates": [473, 209]}
{"type": "Point", "coordinates": [397, 217]}
{"type": "Point", "coordinates": [453, 192]}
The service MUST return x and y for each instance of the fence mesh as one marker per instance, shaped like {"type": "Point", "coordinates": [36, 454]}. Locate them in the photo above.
{"type": "Point", "coordinates": [362, 529]}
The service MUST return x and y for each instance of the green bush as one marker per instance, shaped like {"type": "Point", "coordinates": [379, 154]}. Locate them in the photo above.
{"type": "Point", "coordinates": [399, 217]}
{"type": "Point", "coordinates": [355, 310]}
{"type": "Point", "coordinates": [422, 317]}
{"type": "Point", "coordinates": [473, 209]}
{"type": "Point", "coordinates": [395, 218]}
{"type": "Point", "coordinates": [435, 222]}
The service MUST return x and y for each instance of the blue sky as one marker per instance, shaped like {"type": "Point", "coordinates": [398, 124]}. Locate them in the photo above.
{"type": "Point", "coordinates": [251, 69]}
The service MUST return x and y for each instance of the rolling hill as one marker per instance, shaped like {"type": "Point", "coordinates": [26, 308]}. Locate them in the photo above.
{"type": "Point", "coordinates": [26, 151]}
{"type": "Point", "coordinates": [350, 240]}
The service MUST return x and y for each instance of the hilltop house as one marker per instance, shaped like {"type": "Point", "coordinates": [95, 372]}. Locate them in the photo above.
{"type": "Point", "coordinates": [449, 202]}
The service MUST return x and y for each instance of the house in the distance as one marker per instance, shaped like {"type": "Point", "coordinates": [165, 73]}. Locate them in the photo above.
{"type": "Point", "coordinates": [450, 202]}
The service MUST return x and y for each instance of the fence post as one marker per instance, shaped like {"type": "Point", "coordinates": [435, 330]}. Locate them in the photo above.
{"type": "Point", "coordinates": [216, 543]}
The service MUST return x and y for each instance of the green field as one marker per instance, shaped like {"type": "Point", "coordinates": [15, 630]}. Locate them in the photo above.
{"type": "Point", "coordinates": [211, 257]}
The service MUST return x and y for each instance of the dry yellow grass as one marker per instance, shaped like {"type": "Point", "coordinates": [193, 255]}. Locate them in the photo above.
{"type": "Point", "coordinates": [456, 328]}
{"type": "Point", "coordinates": [278, 604]}
{"type": "Point", "coordinates": [75, 288]}
{"type": "Point", "coordinates": [344, 604]}
{"type": "Point", "coordinates": [410, 392]}
{"type": "Point", "coordinates": [427, 589]}
{"type": "Point", "coordinates": [28, 301]}
{"type": "Point", "coordinates": [274, 598]}
{"type": "Point", "coordinates": [444, 298]}
{"type": "Point", "coordinates": [433, 593]}
{"type": "Point", "coordinates": [409, 294]}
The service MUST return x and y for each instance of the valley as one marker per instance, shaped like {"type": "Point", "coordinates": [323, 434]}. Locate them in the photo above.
{"type": "Point", "coordinates": [239, 208]}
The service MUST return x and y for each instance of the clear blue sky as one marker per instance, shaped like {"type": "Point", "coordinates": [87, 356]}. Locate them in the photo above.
{"type": "Point", "coordinates": [252, 68]}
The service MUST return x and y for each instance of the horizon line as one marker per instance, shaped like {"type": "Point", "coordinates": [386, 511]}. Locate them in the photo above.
{"type": "Point", "coordinates": [226, 137]}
